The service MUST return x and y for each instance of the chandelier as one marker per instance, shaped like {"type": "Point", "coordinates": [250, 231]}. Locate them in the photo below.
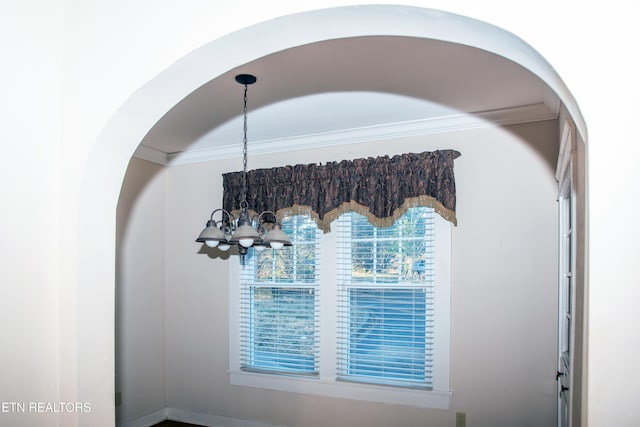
{"type": "Point", "coordinates": [260, 231]}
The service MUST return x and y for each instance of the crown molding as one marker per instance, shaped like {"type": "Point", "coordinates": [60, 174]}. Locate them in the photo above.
{"type": "Point", "coordinates": [151, 154]}
{"type": "Point", "coordinates": [451, 123]}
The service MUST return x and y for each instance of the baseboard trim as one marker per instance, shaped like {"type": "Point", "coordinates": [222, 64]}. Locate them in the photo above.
{"type": "Point", "coordinates": [211, 420]}
{"type": "Point", "coordinates": [192, 417]}
{"type": "Point", "coordinates": [147, 420]}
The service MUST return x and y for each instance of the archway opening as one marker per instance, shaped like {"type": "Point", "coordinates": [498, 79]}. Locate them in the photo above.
{"type": "Point", "coordinates": [170, 95]}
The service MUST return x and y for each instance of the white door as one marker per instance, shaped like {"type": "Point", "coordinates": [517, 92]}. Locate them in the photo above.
{"type": "Point", "coordinates": [566, 279]}
{"type": "Point", "coordinates": [566, 291]}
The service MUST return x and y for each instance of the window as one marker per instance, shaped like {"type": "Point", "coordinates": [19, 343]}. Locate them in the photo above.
{"type": "Point", "coordinates": [361, 312]}
{"type": "Point", "coordinates": [279, 304]}
{"type": "Point", "coordinates": [385, 299]}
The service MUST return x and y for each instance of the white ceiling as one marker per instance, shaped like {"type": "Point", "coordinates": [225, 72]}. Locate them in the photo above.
{"type": "Point", "coordinates": [349, 88]}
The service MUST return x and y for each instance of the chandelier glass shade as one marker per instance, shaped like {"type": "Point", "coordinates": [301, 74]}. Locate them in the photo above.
{"type": "Point", "coordinates": [260, 231]}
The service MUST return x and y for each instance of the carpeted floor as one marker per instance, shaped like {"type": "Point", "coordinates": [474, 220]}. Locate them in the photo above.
{"type": "Point", "coordinates": [169, 423]}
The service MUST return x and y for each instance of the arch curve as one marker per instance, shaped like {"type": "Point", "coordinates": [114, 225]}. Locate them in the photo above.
{"type": "Point", "coordinates": [159, 95]}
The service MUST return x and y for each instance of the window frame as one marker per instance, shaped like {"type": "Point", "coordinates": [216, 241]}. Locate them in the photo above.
{"type": "Point", "coordinates": [350, 239]}
{"type": "Point", "coordinates": [300, 280]}
{"type": "Point", "coordinates": [326, 383]}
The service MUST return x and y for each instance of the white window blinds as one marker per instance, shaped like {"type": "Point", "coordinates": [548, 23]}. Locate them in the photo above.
{"type": "Point", "coordinates": [385, 299]}
{"type": "Point", "coordinates": [279, 304]}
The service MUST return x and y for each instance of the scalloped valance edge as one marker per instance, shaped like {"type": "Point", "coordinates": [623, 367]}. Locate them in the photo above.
{"type": "Point", "coordinates": [324, 223]}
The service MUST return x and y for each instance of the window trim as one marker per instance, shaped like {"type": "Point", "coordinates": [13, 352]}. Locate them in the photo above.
{"type": "Point", "coordinates": [439, 396]}
{"type": "Point", "coordinates": [345, 229]}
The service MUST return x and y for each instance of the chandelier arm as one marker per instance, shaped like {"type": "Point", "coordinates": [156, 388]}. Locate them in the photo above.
{"type": "Point", "coordinates": [230, 217]}
{"type": "Point", "coordinates": [267, 212]}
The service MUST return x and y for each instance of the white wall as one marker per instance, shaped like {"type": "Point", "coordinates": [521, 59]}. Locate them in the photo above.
{"type": "Point", "coordinates": [503, 291]}
{"type": "Point", "coordinates": [140, 291]}
{"type": "Point", "coordinates": [29, 232]}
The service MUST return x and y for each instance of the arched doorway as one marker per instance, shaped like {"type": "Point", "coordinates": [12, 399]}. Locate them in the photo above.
{"type": "Point", "coordinates": [103, 178]}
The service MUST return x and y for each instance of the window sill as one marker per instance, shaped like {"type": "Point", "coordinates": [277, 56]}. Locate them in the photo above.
{"type": "Point", "coordinates": [346, 390]}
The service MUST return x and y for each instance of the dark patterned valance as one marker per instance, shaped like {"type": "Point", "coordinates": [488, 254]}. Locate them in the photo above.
{"type": "Point", "coordinates": [381, 188]}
